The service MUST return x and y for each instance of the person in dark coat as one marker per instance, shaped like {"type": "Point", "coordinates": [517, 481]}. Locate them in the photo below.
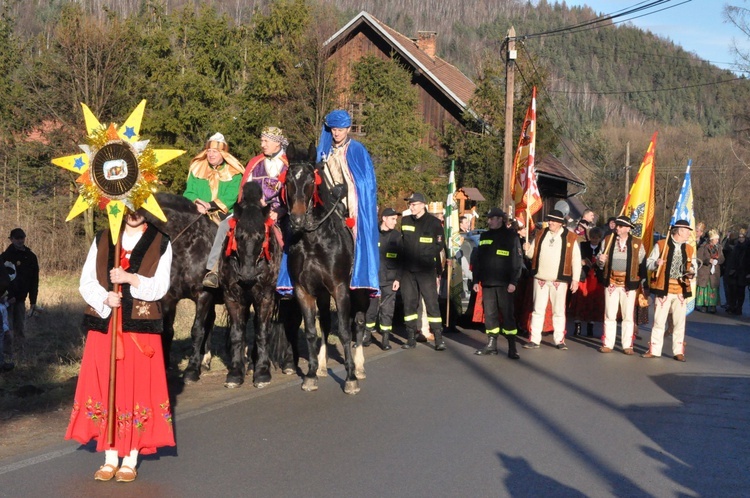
{"type": "Point", "coordinates": [25, 285]}
{"type": "Point", "coordinates": [735, 274]}
{"type": "Point", "coordinates": [498, 268]}
{"type": "Point", "coordinates": [381, 309]}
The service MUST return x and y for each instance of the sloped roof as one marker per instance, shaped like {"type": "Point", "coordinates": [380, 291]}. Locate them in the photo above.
{"type": "Point", "coordinates": [472, 193]}
{"type": "Point", "coordinates": [452, 82]}
{"type": "Point", "coordinates": [552, 167]}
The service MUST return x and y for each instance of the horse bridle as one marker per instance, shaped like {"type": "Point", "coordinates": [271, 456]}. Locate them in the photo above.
{"type": "Point", "coordinates": [311, 228]}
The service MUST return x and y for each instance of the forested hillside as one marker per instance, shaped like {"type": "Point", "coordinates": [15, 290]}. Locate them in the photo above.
{"type": "Point", "coordinates": [238, 65]}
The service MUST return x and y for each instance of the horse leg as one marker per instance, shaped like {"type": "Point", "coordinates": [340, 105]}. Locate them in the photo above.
{"type": "Point", "coordinates": [238, 318]}
{"type": "Point", "coordinates": [291, 323]}
{"type": "Point", "coordinates": [208, 327]}
{"type": "Point", "coordinates": [324, 310]}
{"type": "Point", "coordinates": [169, 311]}
{"type": "Point", "coordinates": [203, 308]}
{"type": "Point", "coordinates": [263, 310]}
{"type": "Point", "coordinates": [343, 306]}
{"type": "Point", "coordinates": [359, 350]}
{"type": "Point", "coordinates": [307, 304]}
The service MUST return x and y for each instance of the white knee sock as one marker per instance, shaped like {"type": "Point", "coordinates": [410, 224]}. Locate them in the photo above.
{"type": "Point", "coordinates": [110, 458]}
{"type": "Point", "coordinates": [131, 460]}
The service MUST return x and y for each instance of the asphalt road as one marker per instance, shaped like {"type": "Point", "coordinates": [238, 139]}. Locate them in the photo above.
{"type": "Point", "coordinates": [556, 423]}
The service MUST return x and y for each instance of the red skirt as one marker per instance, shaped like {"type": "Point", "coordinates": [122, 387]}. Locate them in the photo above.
{"type": "Point", "coordinates": [143, 413]}
{"type": "Point", "coordinates": [587, 305]}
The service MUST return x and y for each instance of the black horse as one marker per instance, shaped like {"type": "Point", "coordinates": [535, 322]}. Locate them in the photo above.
{"type": "Point", "coordinates": [321, 256]}
{"type": "Point", "coordinates": [249, 277]}
{"type": "Point", "coordinates": [246, 276]}
{"type": "Point", "coordinates": [191, 234]}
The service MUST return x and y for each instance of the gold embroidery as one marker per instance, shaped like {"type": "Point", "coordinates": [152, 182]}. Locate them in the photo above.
{"type": "Point", "coordinates": [143, 309]}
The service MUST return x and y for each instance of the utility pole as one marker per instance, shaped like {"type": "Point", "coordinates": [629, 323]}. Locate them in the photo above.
{"type": "Point", "coordinates": [510, 61]}
{"type": "Point", "coordinates": [627, 169]}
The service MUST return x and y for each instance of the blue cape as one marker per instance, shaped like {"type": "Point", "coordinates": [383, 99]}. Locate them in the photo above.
{"type": "Point", "coordinates": [366, 253]}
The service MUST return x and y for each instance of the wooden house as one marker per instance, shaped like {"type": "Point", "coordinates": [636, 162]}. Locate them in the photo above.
{"type": "Point", "coordinates": [444, 91]}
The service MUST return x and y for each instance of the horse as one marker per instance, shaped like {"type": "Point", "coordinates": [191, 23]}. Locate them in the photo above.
{"type": "Point", "coordinates": [249, 277]}
{"type": "Point", "coordinates": [192, 236]}
{"type": "Point", "coordinates": [321, 257]}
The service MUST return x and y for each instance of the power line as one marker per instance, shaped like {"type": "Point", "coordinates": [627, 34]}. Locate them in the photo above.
{"type": "Point", "coordinates": [653, 90]}
{"type": "Point", "coordinates": [597, 21]}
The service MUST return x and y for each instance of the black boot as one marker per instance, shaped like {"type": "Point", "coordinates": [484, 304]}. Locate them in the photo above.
{"type": "Point", "coordinates": [589, 329]}
{"type": "Point", "coordinates": [439, 344]}
{"type": "Point", "coordinates": [367, 338]}
{"type": "Point", "coordinates": [490, 348]}
{"type": "Point", "coordinates": [512, 353]}
{"type": "Point", "coordinates": [385, 345]}
{"type": "Point", "coordinates": [578, 329]}
{"type": "Point", "coordinates": [411, 341]}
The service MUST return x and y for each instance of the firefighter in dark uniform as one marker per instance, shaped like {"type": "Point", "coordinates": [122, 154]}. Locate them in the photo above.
{"type": "Point", "coordinates": [498, 267]}
{"type": "Point", "coordinates": [381, 309]}
{"type": "Point", "coordinates": [424, 250]}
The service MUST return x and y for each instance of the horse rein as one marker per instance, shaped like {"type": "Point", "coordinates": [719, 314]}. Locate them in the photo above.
{"type": "Point", "coordinates": [186, 227]}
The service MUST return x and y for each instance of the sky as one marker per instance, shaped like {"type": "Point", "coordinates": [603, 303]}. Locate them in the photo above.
{"type": "Point", "coordinates": [695, 25]}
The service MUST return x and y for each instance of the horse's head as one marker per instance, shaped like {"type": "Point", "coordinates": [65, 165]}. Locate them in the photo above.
{"type": "Point", "coordinates": [249, 234]}
{"type": "Point", "coordinates": [302, 186]}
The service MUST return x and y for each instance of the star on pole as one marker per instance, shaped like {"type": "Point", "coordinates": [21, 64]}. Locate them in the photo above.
{"type": "Point", "coordinates": [117, 171]}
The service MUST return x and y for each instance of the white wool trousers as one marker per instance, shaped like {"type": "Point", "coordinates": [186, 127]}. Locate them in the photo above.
{"type": "Point", "coordinates": [618, 298]}
{"type": "Point", "coordinates": [663, 306]}
{"type": "Point", "coordinates": [553, 292]}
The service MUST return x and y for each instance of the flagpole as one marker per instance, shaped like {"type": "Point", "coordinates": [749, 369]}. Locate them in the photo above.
{"type": "Point", "coordinates": [114, 330]}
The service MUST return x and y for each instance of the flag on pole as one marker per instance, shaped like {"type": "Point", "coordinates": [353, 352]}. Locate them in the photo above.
{"type": "Point", "coordinates": [524, 190]}
{"type": "Point", "coordinates": [683, 210]}
{"type": "Point", "coordinates": [639, 204]}
{"type": "Point", "coordinates": [452, 234]}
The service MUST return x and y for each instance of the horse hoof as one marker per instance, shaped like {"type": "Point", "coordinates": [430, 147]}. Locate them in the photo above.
{"type": "Point", "coordinates": [351, 387]}
{"type": "Point", "coordinates": [360, 374]}
{"type": "Point", "coordinates": [261, 385]}
{"type": "Point", "coordinates": [191, 376]}
{"type": "Point", "coordinates": [233, 381]}
{"type": "Point", "coordinates": [322, 372]}
{"type": "Point", "coordinates": [310, 384]}
{"type": "Point", "coordinates": [288, 371]}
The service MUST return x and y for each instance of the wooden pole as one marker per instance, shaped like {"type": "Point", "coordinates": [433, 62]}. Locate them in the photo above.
{"type": "Point", "coordinates": [510, 61]}
{"type": "Point", "coordinates": [113, 330]}
{"type": "Point", "coordinates": [627, 169]}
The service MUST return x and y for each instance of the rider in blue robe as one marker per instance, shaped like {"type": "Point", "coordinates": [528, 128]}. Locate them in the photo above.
{"type": "Point", "coordinates": [347, 161]}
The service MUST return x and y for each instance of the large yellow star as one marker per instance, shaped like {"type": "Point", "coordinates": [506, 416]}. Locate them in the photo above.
{"type": "Point", "coordinates": [125, 170]}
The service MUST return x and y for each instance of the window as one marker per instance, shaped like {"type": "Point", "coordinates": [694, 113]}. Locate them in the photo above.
{"type": "Point", "coordinates": [356, 111]}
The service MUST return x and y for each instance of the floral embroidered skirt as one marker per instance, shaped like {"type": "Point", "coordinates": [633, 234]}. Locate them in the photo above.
{"type": "Point", "coordinates": [707, 296]}
{"type": "Point", "coordinates": [143, 413]}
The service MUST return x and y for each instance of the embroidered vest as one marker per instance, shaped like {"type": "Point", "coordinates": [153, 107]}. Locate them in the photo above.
{"type": "Point", "coordinates": [632, 272]}
{"type": "Point", "coordinates": [565, 272]}
{"type": "Point", "coordinates": [137, 315]}
{"type": "Point", "coordinates": [660, 283]}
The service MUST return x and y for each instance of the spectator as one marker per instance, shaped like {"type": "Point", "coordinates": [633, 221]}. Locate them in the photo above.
{"type": "Point", "coordinates": [711, 257]}
{"type": "Point", "coordinates": [26, 284]}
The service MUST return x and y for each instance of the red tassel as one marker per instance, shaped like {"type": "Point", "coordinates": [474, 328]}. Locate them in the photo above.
{"type": "Point", "coordinates": [350, 222]}
{"type": "Point", "coordinates": [232, 242]}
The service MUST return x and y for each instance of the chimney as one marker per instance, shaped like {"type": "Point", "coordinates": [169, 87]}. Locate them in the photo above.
{"type": "Point", "coordinates": [426, 41]}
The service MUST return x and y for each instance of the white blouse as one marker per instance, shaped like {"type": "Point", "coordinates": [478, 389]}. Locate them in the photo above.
{"type": "Point", "coordinates": [149, 288]}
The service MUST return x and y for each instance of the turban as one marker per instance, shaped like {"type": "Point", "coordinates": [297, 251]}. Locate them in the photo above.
{"type": "Point", "coordinates": [335, 119]}
{"type": "Point", "coordinates": [276, 135]}
{"type": "Point", "coordinates": [338, 119]}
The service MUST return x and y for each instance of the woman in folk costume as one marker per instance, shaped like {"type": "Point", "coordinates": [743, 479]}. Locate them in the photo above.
{"type": "Point", "coordinates": [346, 161]}
{"type": "Point", "coordinates": [588, 305]}
{"type": "Point", "coordinates": [143, 418]}
{"type": "Point", "coordinates": [711, 257]}
{"type": "Point", "coordinates": [213, 184]}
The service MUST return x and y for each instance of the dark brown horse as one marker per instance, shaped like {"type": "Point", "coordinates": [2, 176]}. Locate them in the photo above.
{"type": "Point", "coordinates": [321, 255]}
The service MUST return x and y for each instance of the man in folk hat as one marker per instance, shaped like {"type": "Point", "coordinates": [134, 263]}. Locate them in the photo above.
{"type": "Point", "coordinates": [498, 267]}
{"type": "Point", "coordinates": [25, 284]}
{"type": "Point", "coordinates": [556, 266]}
{"type": "Point", "coordinates": [622, 272]}
{"type": "Point", "coordinates": [347, 162]}
{"type": "Point", "coordinates": [424, 247]}
{"type": "Point", "coordinates": [391, 259]}
{"type": "Point", "coordinates": [673, 262]}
